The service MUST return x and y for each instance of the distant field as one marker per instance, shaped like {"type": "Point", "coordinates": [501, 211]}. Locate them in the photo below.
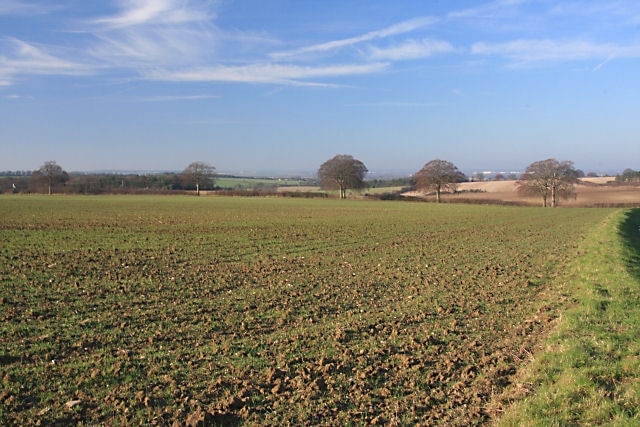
{"type": "Point", "coordinates": [592, 192]}
{"type": "Point", "coordinates": [600, 191]}
{"type": "Point", "coordinates": [233, 183]}
{"type": "Point", "coordinates": [159, 309]}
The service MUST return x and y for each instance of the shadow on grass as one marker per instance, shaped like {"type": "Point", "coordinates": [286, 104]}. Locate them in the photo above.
{"type": "Point", "coordinates": [630, 233]}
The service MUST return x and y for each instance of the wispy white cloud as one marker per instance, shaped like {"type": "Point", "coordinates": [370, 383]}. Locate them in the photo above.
{"type": "Point", "coordinates": [399, 28]}
{"type": "Point", "coordinates": [487, 10]}
{"type": "Point", "coordinates": [527, 52]}
{"type": "Point", "coordinates": [144, 12]}
{"type": "Point", "coordinates": [175, 40]}
{"type": "Point", "coordinates": [410, 49]}
{"type": "Point", "coordinates": [266, 73]}
{"type": "Point", "coordinates": [25, 58]}
{"type": "Point", "coordinates": [603, 63]}
{"type": "Point", "coordinates": [180, 40]}
{"type": "Point", "coordinates": [139, 35]}
{"type": "Point", "coordinates": [153, 33]}
{"type": "Point", "coordinates": [152, 46]}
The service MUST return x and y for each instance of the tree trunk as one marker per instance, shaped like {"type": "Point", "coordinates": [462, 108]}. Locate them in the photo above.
{"type": "Point", "coordinates": [553, 196]}
{"type": "Point", "coordinates": [438, 194]}
{"type": "Point", "coordinates": [197, 189]}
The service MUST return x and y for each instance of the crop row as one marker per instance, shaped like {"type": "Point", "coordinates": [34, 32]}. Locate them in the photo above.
{"type": "Point", "coordinates": [125, 310]}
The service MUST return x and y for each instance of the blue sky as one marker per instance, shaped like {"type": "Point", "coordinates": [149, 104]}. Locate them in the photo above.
{"type": "Point", "coordinates": [282, 85]}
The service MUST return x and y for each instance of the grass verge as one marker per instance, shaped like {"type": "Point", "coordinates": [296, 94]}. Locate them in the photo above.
{"type": "Point", "coordinates": [588, 374]}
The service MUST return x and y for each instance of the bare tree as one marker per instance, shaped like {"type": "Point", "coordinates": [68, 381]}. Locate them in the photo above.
{"type": "Point", "coordinates": [52, 173]}
{"type": "Point", "coordinates": [199, 173]}
{"type": "Point", "coordinates": [439, 175]}
{"type": "Point", "coordinates": [342, 172]}
{"type": "Point", "coordinates": [628, 175]}
{"type": "Point", "coordinates": [549, 179]}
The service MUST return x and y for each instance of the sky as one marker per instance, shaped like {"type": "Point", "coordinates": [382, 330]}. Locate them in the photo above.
{"type": "Point", "coordinates": [280, 86]}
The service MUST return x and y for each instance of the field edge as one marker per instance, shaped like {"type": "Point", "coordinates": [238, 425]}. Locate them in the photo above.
{"type": "Point", "coordinates": [587, 372]}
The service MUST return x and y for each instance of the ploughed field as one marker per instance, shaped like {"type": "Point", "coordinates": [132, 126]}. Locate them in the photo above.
{"type": "Point", "coordinates": [154, 310]}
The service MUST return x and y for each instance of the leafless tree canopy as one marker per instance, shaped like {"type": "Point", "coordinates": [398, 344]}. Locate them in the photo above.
{"type": "Point", "coordinates": [51, 173]}
{"type": "Point", "coordinates": [549, 179]}
{"type": "Point", "coordinates": [439, 175]}
{"type": "Point", "coordinates": [342, 172]}
{"type": "Point", "coordinates": [197, 174]}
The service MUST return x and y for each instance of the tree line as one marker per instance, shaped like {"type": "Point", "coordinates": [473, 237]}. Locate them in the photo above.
{"type": "Point", "coordinates": [628, 176]}
{"type": "Point", "coordinates": [549, 179]}
{"type": "Point", "coordinates": [52, 178]}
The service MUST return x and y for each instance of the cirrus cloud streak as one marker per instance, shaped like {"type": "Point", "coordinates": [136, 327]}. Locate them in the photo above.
{"type": "Point", "coordinates": [266, 73]}
{"type": "Point", "coordinates": [528, 52]}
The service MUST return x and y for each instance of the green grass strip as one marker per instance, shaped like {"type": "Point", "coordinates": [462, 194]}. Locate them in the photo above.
{"type": "Point", "coordinates": [589, 373]}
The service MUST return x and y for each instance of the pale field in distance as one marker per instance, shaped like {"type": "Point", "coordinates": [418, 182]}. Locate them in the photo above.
{"type": "Point", "coordinates": [599, 191]}
{"type": "Point", "coordinates": [591, 192]}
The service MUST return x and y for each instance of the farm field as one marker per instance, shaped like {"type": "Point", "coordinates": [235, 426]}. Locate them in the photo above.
{"type": "Point", "coordinates": [227, 182]}
{"type": "Point", "coordinates": [590, 192]}
{"type": "Point", "coordinates": [144, 309]}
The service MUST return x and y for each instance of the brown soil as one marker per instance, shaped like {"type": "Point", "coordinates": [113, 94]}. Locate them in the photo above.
{"type": "Point", "coordinates": [591, 192]}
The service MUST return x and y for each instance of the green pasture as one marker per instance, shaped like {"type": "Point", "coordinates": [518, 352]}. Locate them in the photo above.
{"type": "Point", "coordinates": [128, 310]}
{"type": "Point", "coordinates": [242, 183]}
